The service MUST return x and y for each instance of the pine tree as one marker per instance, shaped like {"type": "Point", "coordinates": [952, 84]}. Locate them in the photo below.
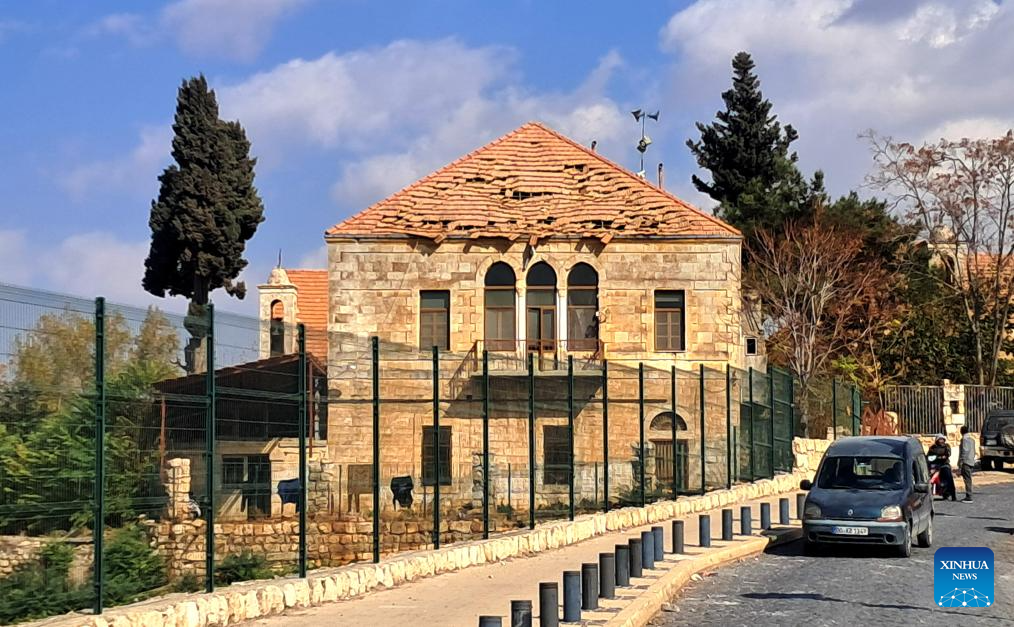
{"type": "Point", "coordinates": [207, 209]}
{"type": "Point", "coordinates": [754, 177]}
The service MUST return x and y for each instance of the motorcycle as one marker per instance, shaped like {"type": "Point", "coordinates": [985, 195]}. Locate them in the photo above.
{"type": "Point", "coordinates": [936, 486]}
{"type": "Point", "coordinates": [936, 479]}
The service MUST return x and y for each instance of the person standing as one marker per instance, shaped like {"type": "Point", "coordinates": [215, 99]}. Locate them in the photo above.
{"type": "Point", "coordinates": [966, 459]}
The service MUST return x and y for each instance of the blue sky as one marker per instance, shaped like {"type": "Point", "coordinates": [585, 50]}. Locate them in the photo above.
{"type": "Point", "coordinates": [348, 101]}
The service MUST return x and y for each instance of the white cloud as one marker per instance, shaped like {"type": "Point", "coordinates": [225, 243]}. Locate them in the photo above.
{"type": "Point", "coordinates": [314, 259]}
{"type": "Point", "coordinates": [131, 26]}
{"type": "Point", "coordinates": [402, 110]}
{"type": "Point", "coordinates": [834, 68]}
{"type": "Point", "coordinates": [225, 27]}
{"type": "Point", "coordinates": [135, 172]}
{"type": "Point", "coordinates": [98, 263]}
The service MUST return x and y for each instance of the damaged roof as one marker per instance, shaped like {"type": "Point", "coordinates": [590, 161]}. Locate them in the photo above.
{"type": "Point", "coordinates": [532, 183]}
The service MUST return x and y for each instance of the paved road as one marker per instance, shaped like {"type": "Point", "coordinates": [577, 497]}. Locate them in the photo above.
{"type": "Point", "coordinates": [859, 586]}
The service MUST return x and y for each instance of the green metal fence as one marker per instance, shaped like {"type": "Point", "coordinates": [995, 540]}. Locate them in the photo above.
{"type": "Point", "coordinates": [143, 452]}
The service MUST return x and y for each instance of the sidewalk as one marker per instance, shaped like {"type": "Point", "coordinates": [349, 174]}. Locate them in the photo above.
{"type": "Point", "coordinates": [459, 598]}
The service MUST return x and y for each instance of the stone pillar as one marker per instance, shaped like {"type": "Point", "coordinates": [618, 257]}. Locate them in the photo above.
{"type": "Point", "coordinates": [953, 411]}
{"type": "Point", "coordinates": [177, 487]}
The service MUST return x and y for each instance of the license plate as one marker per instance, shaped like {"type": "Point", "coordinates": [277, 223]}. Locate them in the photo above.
{"type": "Point", "coordinates": [850, 531]}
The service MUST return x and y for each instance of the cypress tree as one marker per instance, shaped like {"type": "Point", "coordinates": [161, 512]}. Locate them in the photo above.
{"type": "Point", "coordinates": [207, 209]}
{"type": "Point", "coordinates": [754, 177]}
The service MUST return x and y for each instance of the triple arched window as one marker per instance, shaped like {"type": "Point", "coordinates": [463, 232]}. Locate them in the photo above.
{"type": "Point", "coordinates": [541, 315]}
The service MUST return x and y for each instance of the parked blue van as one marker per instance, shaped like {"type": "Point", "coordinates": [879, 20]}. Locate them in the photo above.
{"type": "Point", "coordinates": [870, 490]}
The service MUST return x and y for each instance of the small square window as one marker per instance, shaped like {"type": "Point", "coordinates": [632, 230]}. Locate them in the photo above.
{"type": "Point", "coordinates": [751, 346]}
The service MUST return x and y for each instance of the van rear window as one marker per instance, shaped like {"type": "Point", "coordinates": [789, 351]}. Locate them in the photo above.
{"type": "Point", "coordinates": [995, 423]}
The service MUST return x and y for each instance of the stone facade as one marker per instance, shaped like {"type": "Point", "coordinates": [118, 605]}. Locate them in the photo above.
{"type": "Point", "coordinates": [375, 290]}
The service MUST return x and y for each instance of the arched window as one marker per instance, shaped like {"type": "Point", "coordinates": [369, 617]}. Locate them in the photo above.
{"type": "Point", "coordinates": [663, 422]}
{"type": "Point", "coordinates": [541, 308]}
{"type": "Point", "coordinates": [500, 301]}
{"type": "Point", "coordinates": [582, 305]}
{"type": "Point", "coordinates": [277, 329]}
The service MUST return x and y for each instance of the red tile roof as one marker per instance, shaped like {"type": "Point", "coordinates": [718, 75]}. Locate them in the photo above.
{"type": "Point", "coordinates": [532, 183]}
{"type": "Point", "coordinates": [312, 302]}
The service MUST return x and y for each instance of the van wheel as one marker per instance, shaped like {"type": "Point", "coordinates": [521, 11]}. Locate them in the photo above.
{"type": "Point", "coordinates": [905, 549]}
{"type": "Point", "coordinates": [987, 463]}
{"type": "Point", "coordinates": [926, 537]}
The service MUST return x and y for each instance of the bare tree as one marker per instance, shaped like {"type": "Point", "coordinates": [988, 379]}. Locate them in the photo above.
{"type": "Point", "coordinates": [962, 195]}
{"type": "Point", "coordinates": [816, 293]}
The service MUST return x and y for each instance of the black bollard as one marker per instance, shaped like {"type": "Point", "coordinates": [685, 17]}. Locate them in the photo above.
{"type": "Point", "coordinates": [589, 586]}
{"type": "Point", "coordinates": [549, 604]}
{"type": "Point", "coordinates": [783, 511]}
{"type": "Point", "coordinates": [677, 537]}
{"type": "Point", "coordinates": [659, 534]}
{"type": "Point", "coordinates": [647, 550]}
{"type": "Point", "coordinates": [765, 516]}
{"type": "Point", "coordinates": [704, 530]}
{"type": "Point", "coordinates": [607, 575]}
{"type": "Point", "coordinates": [571, 596]}
{"type": "Point", "coordinates": [622, 565]}
{"type": "Point", "coordinates": [636, 558]}
{"type": "Point", "coordinates": [726, 524]}
{"type": "Point", "coordinates": [521, 614]}
{"type": "Point", "coordinates": [800, 505]}
{"type": "Point", "coordinates": [490, 621]}
{"type": "Point", "coordinates": [745, 521]}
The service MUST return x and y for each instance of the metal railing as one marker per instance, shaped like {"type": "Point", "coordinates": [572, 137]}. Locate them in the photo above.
{"type": "Point", "coordinates": [384, 448]}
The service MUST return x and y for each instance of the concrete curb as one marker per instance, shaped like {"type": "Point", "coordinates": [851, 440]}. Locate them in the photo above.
{"type": "Point", "coordinates": [649, 604]}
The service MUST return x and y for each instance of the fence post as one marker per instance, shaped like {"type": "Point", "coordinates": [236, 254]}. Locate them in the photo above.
{"type": "Point", "coordinates": [570, 433]}
{"type": "Point", "coordinates": [531, 441]}
{"type": "Point", "coordinates": [375, 376]}
{"type": "Point", "coordinates": [792, 421]}
{"type": "Point", "coordinates": [704, 481]}
{"type": "Point", "coordinates": [753, 425]}
{"type": "Point", "coordinates": [436, 447]}
{"type": "Point", "coordinates": [672, 394]}
{"type": "Point", "coordinates": [303, 487]}
{"type": "Point", "coordinates": [834, 408]}
{"type": "Point", "coordinates": [728, 426]}
{"type": "Point", "coordinates": [857, 410]}
{"type": "Point", "coordinates": [605, 435]}
{"type": "Point", "coordinates": [771, 434]}
{"type": "Point", "coordinates": [99, 515]}
{"type": "Point", "coordinates": [485, 445]}
{"type": "Point", "coordinates": [640, 423]}
{"type": "Point", "coordinates": [211, 434]}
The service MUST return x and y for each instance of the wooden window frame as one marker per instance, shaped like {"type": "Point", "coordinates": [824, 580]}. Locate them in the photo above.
{"type": "Point", "coordinates": [425, 312]}
{"type": "Point", "coordinates": [680, 312]}
{"type": "Point", "coordinates": [428, 453]}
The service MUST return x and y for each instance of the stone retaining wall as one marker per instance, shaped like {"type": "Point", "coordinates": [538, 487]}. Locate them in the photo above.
{"type": "Point", "coordinates": [250, 600]}
{"type": "Point", "coordinates": [808, 452]}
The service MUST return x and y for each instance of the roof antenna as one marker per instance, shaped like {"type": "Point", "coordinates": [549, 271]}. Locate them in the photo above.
{"type": "Point", "coordinates": [645, 141]}
{"type": "Point", "coordinates": [594, 143]}
{"type": "Point", "coordinates": [279, 257]}
{"type": "Point", "coordinates": [661, 177]}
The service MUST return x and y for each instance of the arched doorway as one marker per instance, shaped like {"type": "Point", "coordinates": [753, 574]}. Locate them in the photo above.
{"type": "Point", "coordinates": [667, 452]}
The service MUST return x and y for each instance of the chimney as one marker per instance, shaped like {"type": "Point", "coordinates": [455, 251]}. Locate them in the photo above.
{"type": "Point", "coordinates": [594, 143]}
{"type": "Point", "coordinates": [661, 177]}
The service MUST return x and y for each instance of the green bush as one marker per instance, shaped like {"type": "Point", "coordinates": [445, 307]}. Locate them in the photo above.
{"type": "Point", "coordinates": [42, 588]}
{"type": "Point", "coordinates": [133, 568]}
{"type": "Point", "coordinates": [244, 566]}
{"type": "Point", "coordinates": [188, 583]}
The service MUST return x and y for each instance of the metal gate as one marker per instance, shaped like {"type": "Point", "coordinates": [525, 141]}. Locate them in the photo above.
{"type": "Point", "coordinates": [920, 408]}
{"type": "Point", "coordinates": [982, 399]}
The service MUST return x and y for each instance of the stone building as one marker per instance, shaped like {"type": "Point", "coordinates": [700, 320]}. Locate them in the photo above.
{"type": "Point", "coordinates": [531, 247]}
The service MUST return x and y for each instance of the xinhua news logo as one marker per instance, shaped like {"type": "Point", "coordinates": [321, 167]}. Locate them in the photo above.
{"type": "Point", "coordinates": [963, 577]}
